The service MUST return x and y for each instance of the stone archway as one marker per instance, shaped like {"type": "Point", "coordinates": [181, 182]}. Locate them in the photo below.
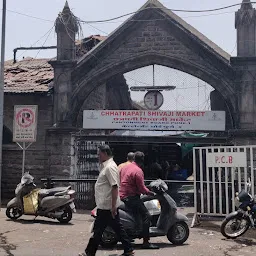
{"type": "Point", "coordinates": [153, 35]}
{"type": "Point", "coordinates": [223, 84]}
{"type": "Point", "coordinates": [164, 39]}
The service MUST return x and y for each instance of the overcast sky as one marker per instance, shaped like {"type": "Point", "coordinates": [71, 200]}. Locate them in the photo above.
{"type": "Point", "coordinates": [25, 31]}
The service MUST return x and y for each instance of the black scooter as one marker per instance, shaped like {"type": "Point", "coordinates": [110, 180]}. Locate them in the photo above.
{"type": "Point", "coordinates": [170, 223]}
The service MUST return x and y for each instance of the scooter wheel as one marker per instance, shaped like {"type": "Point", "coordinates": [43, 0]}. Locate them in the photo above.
{"type": "Point", "coordinates": [66, 216]}
{"type": "Point", "coordinates": [178, 233]}
{"type": "Point", "coordinates": [13, 213]}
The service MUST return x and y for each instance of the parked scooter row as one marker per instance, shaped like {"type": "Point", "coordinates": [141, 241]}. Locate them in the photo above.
{"type": "Point", "coordinates": [56, 203]}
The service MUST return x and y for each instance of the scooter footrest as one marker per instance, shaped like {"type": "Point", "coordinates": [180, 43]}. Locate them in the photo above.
{"type": "Point", "coordinates": [155, 230]}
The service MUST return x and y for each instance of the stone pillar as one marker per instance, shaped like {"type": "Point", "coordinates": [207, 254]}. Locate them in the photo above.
{"type": "Point", "coordinates": [245, 68]}
{"type": "Point", "coordinates": [62, 92]}
{"type": "Point", "coordinates": [245, 24]}
{"type": "Point", "coordinates": [245, 65]}
{"type": "Point", "coordinates": [66, 28]}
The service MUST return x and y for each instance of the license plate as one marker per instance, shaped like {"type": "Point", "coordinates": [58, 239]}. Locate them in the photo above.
{"type": "Point", "coordinates": [73, 207]}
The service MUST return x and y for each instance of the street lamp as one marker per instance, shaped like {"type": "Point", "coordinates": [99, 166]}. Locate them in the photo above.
{"type": "Point", "coordinates": [2, 93]}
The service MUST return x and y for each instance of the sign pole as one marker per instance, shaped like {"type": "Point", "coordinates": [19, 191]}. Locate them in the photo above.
{"type": "Point", "coordinates": [2, 92]}
{"type": "Point", "coordinates": [24, 128]}
{"type": "Point", "coordinates": [24, 149]}
{"type": "Point", "coordinates": [23, 157]}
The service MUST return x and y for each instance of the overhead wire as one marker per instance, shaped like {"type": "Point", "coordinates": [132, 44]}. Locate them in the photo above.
{"type": "Point", "coordinates": [234, 48]}
{"type": "Point", "coordinates": [100, 30]}
{"type": "Point", "coordinates": [30, 16]}
{"type": "Point", "coordinates": [41, 66]}
{"type": "Point", "coordinates": [135, 12]}
{"type": "Point", "coordinates": [44, 42]}
{"type": "Point", "coordinates": [49, 31]}
{"type": "Point", "coordinates": [164, 8]}
{"type": "Point", "coordinates": [147, 20]}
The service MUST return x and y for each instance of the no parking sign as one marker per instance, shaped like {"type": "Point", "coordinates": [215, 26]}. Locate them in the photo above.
{"type": "Point", "coordinates": [25, 123]}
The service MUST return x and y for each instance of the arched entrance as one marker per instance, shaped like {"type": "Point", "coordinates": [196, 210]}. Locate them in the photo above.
{"type": "Point", "coordinates": [222, 84]}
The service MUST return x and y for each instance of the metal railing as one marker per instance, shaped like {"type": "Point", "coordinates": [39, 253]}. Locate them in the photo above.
{"type": "Point", "coordinates": [220, 172]}
{"type": "Point", "coordinates": [181, 191]}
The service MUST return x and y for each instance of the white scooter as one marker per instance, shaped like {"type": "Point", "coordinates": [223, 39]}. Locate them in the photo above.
{"type": "Point", "coordinates": [170, 223]}
{"type": "Point", "coordinates": [56, 203]}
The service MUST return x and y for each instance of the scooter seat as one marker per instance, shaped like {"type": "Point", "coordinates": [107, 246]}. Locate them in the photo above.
{"type": "Point", "coordinates": [124, 208]}
{"type": "Point", "coordinates": [50, 192]}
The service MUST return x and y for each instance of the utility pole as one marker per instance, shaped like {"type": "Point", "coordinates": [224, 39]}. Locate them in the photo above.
{"type": "Point", "coordinates": [2, 94]}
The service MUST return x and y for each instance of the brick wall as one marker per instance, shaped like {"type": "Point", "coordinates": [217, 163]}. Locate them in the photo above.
{"type": "Point", "coordinates": [50, 155]}
{"type": "Point", "coordinates": [36, 163]}
{"type": "Point", "coordinates": [96, 100]}
{"type": "Point", "coordinates": [59, 148]}
{"type": "Point", "coordinates": [37, 156]}
{"type": "Point", "coordinates": [150, 37]}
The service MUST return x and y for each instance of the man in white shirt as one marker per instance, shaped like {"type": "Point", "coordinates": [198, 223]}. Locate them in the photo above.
{"type": "Point", "coordinates": [107, 201]}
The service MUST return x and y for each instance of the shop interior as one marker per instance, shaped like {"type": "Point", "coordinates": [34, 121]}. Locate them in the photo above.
{"type": "Point", "coordinates": [166, 161]}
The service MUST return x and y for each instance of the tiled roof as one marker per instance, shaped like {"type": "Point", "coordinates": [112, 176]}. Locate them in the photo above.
{"type": "Point", "coordinates": [28, 76]}
{"type": "Point", "coordinates": [36, 75]}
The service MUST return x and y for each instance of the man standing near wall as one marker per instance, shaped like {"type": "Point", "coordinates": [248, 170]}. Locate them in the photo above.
{"type": "Point", "coordinates": [107, 201]}
{"type": "Point", "coordinates": [130, 159]}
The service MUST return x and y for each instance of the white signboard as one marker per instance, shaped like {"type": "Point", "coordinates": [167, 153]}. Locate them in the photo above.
{"type": "Point", "coordinates": [230, 159]}
{"type": "Point", "coordinates": [154, 120]}
{"type": "Point", "coordinates": [25, 123]}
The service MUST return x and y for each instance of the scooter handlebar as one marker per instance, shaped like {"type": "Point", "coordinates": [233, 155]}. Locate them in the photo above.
{"type": "Point", "coordinates": [146, 198]}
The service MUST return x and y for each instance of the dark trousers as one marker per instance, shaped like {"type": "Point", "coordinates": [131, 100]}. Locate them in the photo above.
{"type": "Point", "coordinates": [139, 209]}
{"type": "Point", "coordinates": [104, 218]}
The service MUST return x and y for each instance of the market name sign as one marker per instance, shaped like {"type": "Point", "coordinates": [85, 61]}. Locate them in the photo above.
{"type": "Point", "coordinates": [154, 120]}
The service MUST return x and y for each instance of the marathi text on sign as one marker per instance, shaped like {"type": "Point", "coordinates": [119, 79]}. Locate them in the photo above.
{"type": "Point", "coordinates": [154, 120]}
{"type": "Point", "coordinates": [226, 159]}
{"type": "Point", "coordinates": [25, 123]}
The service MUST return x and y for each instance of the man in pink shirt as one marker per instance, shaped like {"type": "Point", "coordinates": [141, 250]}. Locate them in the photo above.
{"type": "Point", "coordinates": [131, 187]}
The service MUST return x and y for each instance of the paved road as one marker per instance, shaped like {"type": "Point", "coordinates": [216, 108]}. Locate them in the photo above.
{"type": "Point", "coordinates": [48, 238]}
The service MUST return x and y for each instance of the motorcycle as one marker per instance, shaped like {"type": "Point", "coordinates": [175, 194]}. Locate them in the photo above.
{"type": "Point", "coordinates": [56, 203]}
{"type": "Point", "coordinates": [243, 218]}
{"type": "Point", "coordinates": [170, 223]}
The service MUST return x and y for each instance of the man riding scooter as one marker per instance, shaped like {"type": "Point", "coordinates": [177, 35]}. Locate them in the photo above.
{"type": "Point", "coordinates": [130, 159]}
{"type": "Point", "coordinates": [131, 187]}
